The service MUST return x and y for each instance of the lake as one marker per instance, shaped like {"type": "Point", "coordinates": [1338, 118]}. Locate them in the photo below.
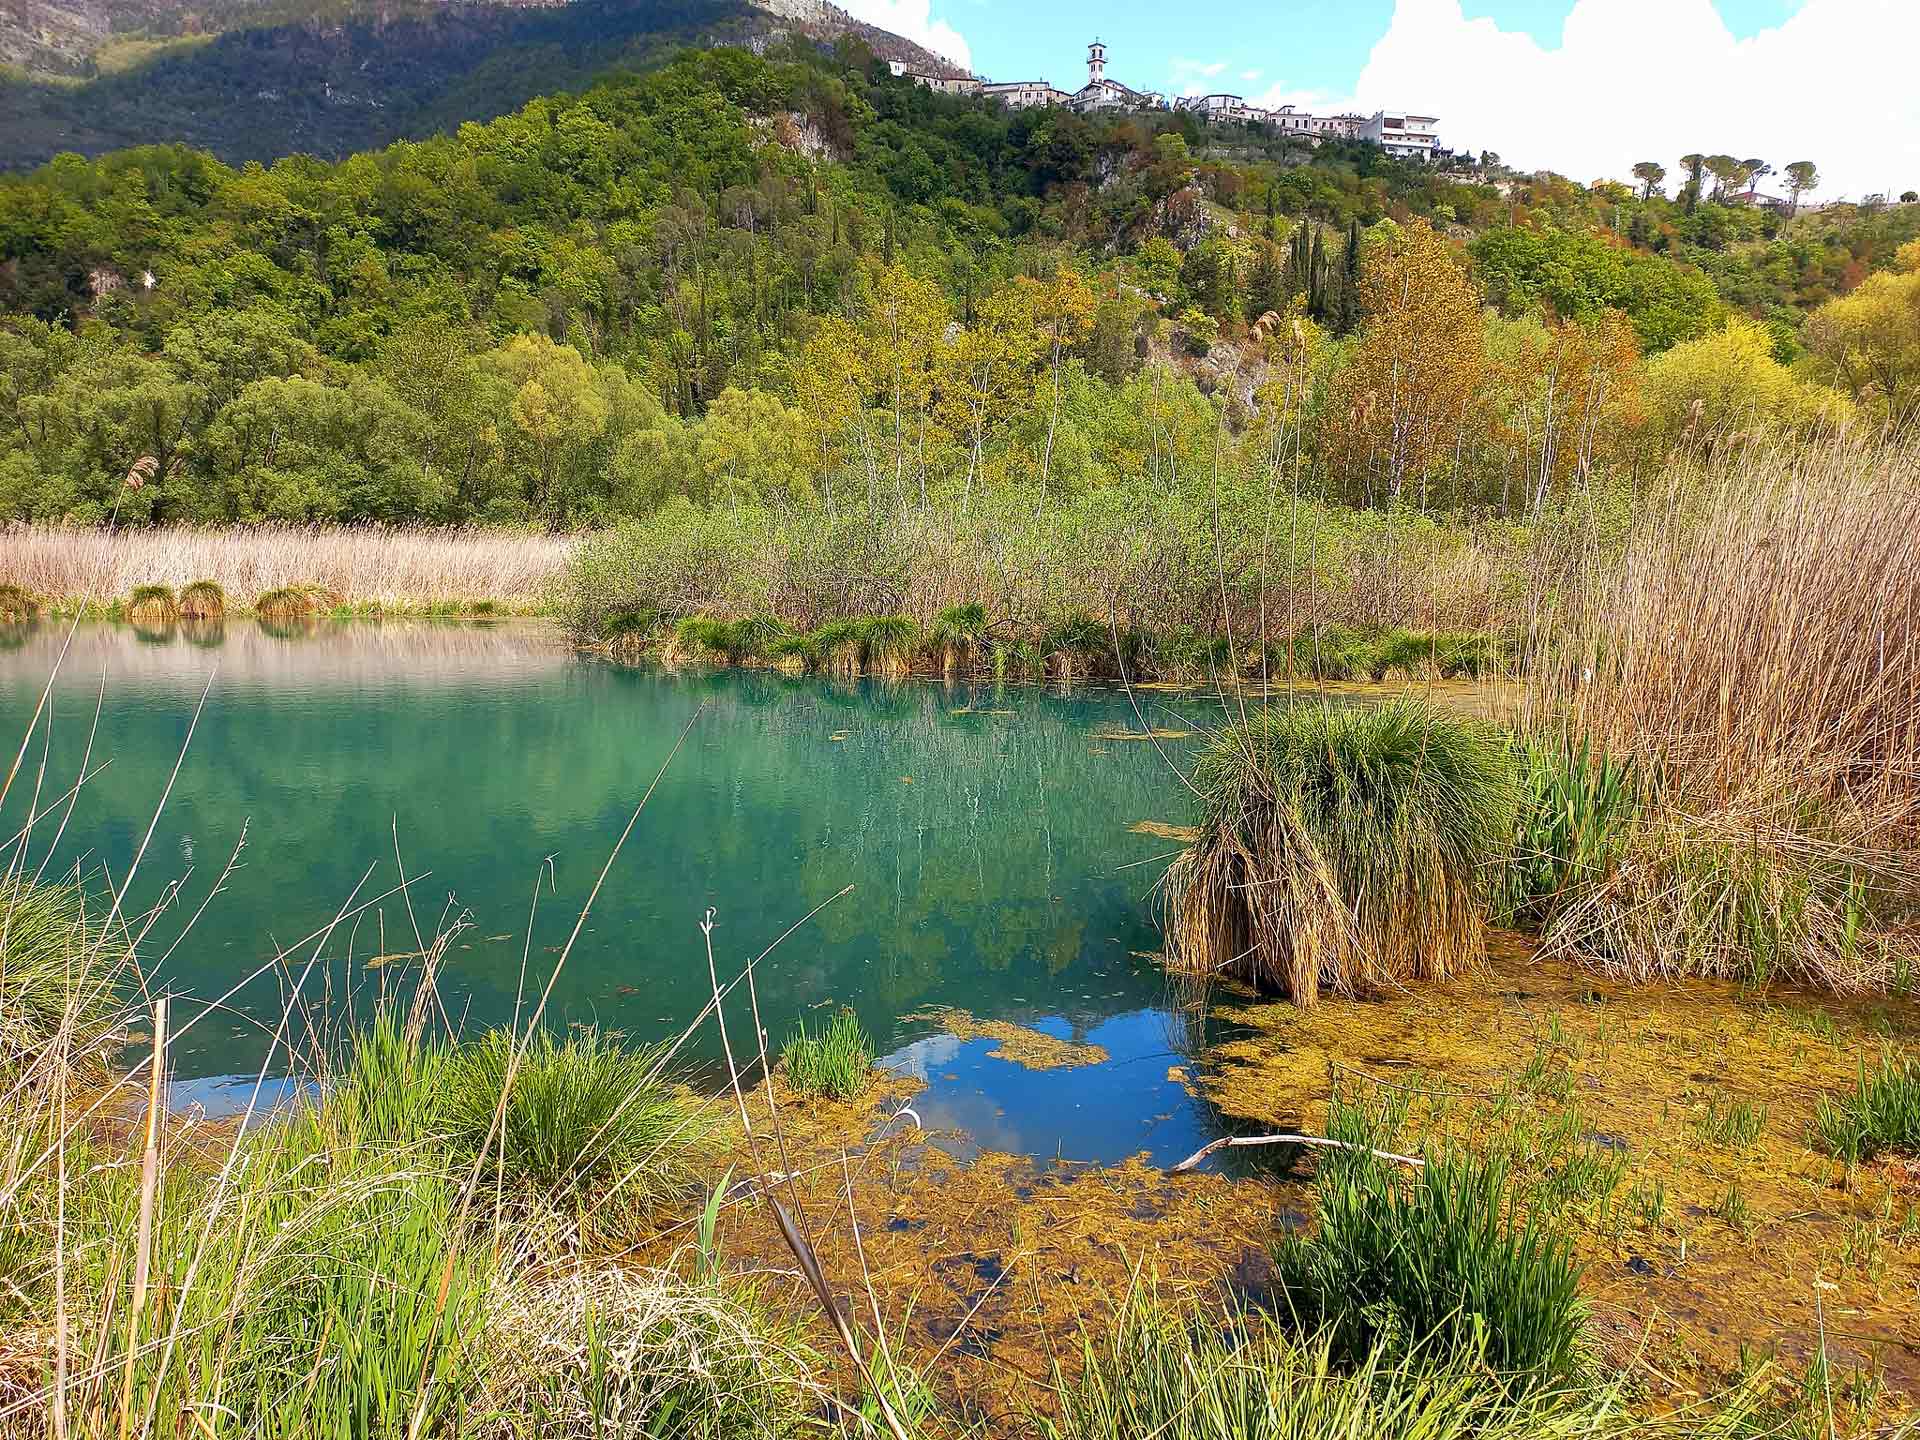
{"type": "Point", "coordinates": [985, 832]}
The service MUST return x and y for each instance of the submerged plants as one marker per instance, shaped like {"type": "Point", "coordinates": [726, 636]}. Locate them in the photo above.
{"type": "Point", "coordinates": [1343, 846]}
{"type": "Point", "coordinates": [837, 1062]}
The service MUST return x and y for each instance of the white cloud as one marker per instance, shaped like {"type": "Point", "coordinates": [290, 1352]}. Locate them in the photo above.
{"type": "Point", "coordinates": [1653, 79]}
{"type": "Point", "coordinates": [1190, 77]}
{"type": "Point", "coordinates": [914, 20]}
{"type": "Point", "coordinates": [1251, 75]}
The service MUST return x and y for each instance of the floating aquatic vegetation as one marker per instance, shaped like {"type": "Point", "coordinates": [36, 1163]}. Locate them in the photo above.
{"type": "Point", "coordinates": [1018, 1044]}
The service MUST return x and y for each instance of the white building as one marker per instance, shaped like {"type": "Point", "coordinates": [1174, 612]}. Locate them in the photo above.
{"type": "Point", "coordinates": [1103, 93]}
{"type": "Point", "coordinates": [1411, 137]}
{"type": "Point", "coordinates": [945, 84]}
{"type": "Point", "coordinates": [1020, 94]}
{"type": "Point", "coordinates": [1222, 109]}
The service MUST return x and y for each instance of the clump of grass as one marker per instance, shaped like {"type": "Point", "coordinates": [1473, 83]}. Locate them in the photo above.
{"type": "Point", "coordinates": [837, 1062]}
{"type": "Point", "coordinates": [1685, 895]}
{"type": "Point", "coordinates": [58, 983]}
{"type": "Point", "coordinates": [1576, 812]}
{"type": "Point", "coordinates": [1883, 1113]}
{"type": "Point", "coordinates": [17, 604]}
{"type": "Point", "coordinates": [959, 636]}
{"type": "Point", "coordinates": [590, 1124]}
{"type": "Point", "coordinates": [1434, 654]}
{"type": "Point", "coordinates": [889, 643]}
{"type": "Point", "coordinates": [337, 1278]}
{"type": "Point", "coordinates": [1441, 1264]}
{"type": "Point", "coordinates": [1735, 1124]}
{"type": "Point", "coordinates": [604, 1350]}
{"type": "Point", "coordinates": [1191, 1375]}
{"type": "Point", "coordinates": [737, 642]}
{"type": "Point", "coordinates": [203, 600]}
{"type": "Point", "coordinates": [1078, 644]}
{"type": "Point", "coordinates": [288, 602]}
{"type": "Point", "coordinates": [153, 605]}
{"type": "Point", "coordinates": [1341, 846]}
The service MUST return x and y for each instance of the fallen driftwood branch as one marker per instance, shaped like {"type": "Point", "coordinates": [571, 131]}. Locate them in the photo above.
{"type": "Point", "coordinates": [1234, 1142]}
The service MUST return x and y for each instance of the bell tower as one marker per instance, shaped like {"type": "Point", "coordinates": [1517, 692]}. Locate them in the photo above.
{"type": "Point", "coordinates": [1096, 63]}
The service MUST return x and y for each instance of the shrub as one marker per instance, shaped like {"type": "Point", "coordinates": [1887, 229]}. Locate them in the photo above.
{"type": "Point", "coordinates": [1439, 1264]}
{"type": "Point", "coordinates": [1883, 1113]}
{"type": "Point", "coordinates": [17, 604]}
{"type": "Point", "coordinates": [203, 600]}
{"type": "Point", "coordinates": [1342, 845]}
{"type": "Point", "coordinates": [836, 1063]}
{"type": "Point", "coordinates": [153, 604]}
{"type": "Point", "coordinates": [589, 1122]}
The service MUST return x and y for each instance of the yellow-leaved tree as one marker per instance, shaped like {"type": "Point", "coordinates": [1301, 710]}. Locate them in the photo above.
{"type": "Point", "coordinates": [1729, 384]}
{"type": "Point", "coordinates": [1403, 405]}
{"type": "Point", "coordinates": [1869, 340]}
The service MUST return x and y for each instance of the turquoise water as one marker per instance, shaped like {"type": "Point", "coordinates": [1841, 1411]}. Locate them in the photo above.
{"type": "Point", "coordinates": [984, 832]}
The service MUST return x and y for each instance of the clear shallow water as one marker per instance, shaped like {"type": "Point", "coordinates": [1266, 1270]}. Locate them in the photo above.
{"type": "Point", "coordinates": [985, 834]}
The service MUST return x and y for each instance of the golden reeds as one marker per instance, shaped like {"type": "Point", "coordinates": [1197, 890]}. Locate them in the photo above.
{"type": "Point", "coordinates": [1756, 651]}
{"type": "Point", "coordinates": [419, 568]}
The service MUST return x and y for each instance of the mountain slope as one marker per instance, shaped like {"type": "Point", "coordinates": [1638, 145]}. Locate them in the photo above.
{"type": "Point", "coordinates": [293, 76]}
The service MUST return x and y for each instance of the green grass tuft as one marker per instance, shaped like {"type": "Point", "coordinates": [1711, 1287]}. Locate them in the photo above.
{"type": "Point", "coordinates": [58, 987]}
{"type": "Point", "coordinates": [1576, 813]}
{"type": "Point", "coordinates": [1883, 1113]}
{"type": "Point", "coordinates": [1441, 1264]}
{"type": "Point", "coordinates": [591, 1125]}
{"type": "Point", "coordinates": [1241, 1374]}
{"type": "Point", "coordinates": [203, 600]}
{"type": "Point", "coordinates": [837, 1062]}
{"type": "Point", "coordinates": [153, 603]}
{"type": "Point", "coordinates": [1341, 845]}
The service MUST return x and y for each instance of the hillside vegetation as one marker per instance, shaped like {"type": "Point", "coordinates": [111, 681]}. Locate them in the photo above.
{"type": "Point", "coordinates": [796, 282]}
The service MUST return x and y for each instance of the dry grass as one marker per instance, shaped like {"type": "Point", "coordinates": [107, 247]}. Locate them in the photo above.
{"type": "Point", "coordinates": [1761, 634]}
{"type": "Point", "coordinates": [1757, 651]}
{"type": "Point", "coordinates": [393, 569]}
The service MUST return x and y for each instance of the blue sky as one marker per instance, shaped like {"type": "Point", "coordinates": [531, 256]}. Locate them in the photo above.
{"type": "Point", "coordinates": [1585, 87]}
{"type": "Point", "coordinates": [1315, 46]}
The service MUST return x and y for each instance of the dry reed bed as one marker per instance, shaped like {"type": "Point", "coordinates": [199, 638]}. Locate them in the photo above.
{"type": "Point", "coordinates": [406, 568]}
{"type": "Point", "coordinates": [1762, 630]}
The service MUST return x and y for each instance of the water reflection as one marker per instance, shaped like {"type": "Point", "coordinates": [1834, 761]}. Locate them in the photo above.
{"type": "Point", "coordinates": [984, 833]}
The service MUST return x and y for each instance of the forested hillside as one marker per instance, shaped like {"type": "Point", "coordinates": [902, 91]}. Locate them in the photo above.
{"type": "Point", "coordinates": [791, 279]}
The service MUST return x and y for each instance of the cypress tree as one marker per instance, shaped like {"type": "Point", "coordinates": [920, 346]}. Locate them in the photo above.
{"type": "Point", "coordinates": [1348, 319]}
{"type": "Point", "coordinates": [1317, 279]}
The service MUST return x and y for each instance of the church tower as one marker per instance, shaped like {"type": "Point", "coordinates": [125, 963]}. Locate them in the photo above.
{"type": "Point", "coordinates": [1096, 63]}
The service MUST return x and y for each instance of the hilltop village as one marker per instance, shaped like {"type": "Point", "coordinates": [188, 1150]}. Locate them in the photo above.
{"type": "Point", "coordinates": [1400, 133]}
